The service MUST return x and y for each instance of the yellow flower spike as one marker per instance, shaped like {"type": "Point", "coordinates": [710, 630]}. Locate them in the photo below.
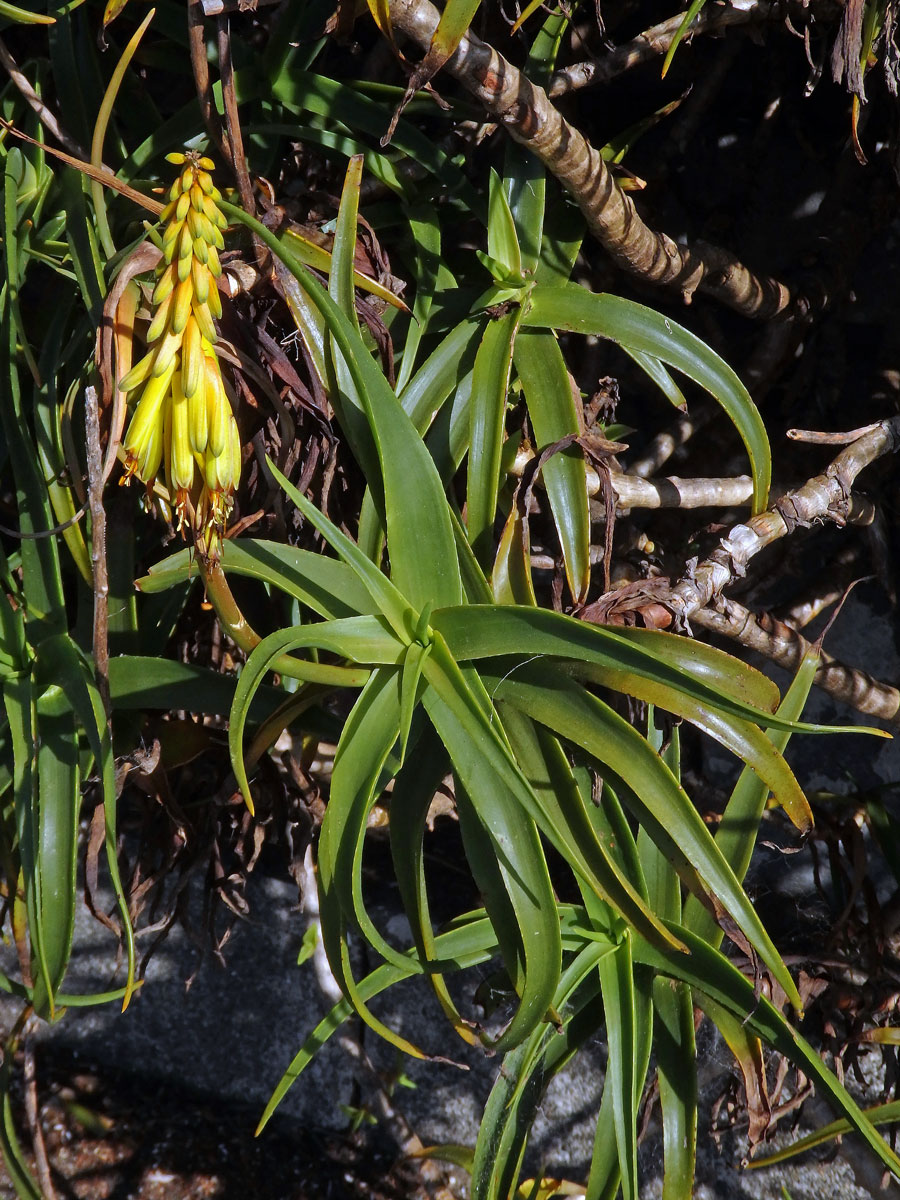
{"type": "Point", "coordinates": [198, 417]}
{"type": "Point", "coordinates": [183, 417]}
{"type": "Point", "coordinates": [138, 374]}
{"type": "Point", "coordinates": [165, 355]}
{"type": "Point", "coordinates": [181, 308]}
{"type": "Point", "coordinates": [200, 279]}
{"type": "Point", "coordinates": [164, 285]}
{"type": "Point", "coordinates": [181, 460]}
{"type": "Point", "coordinates": [191, 357]}
{"type": "Point", "coordinates": [160, 320]}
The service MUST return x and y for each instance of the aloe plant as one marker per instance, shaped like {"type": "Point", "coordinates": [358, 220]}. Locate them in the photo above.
{"type": "Point", "coordinates": [419, 607]}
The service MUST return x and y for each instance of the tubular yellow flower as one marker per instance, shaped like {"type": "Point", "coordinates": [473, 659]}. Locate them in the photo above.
{"type": "Point", "coordinates": [191, 356]}
{"type": "Point", "coordinates": [143, 442]}
{"type": "Point", "coordinates": [183, 419]}
{"type": "Point", "coordinates": [220, 417]}
{"type": "Point", "coordinates": [181, 459]}
{"type": "Point", "coordinates": [198, 417]}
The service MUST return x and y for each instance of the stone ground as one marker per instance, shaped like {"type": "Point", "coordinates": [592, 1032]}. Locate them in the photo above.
{"type": "Point", "coordinates": [162, 1101]}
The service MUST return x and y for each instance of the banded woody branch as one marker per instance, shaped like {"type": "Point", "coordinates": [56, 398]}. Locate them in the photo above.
{"type": "Point", "coordinates": [785, 646]}
{"type": "Point", "coordinates": [673, 492]}
{"type": "Point", "coordinates": [827, 497]}
{"type": "Point", "coordinates": [528, 116]}
{"type": "Point", "coordinates": [655, 42]}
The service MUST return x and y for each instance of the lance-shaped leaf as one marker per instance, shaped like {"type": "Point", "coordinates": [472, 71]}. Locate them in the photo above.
{"type": "Point", "coordinates": [329, 587]}
{"type": "Point", "coordinates": [551, 406]}
{"type": "Point", "coordinates": [707, 674]}
{"type": "Point", "coordinates": [452, 26]}
{"type": "Point", "coordinates": [367, 738]}
{"type": "Point", "coordinates": [487, 413]}
{"type": "Point", "coordinates": [581, 718]}
{"type": "Point", "coordinates": [736, 834]}
{"type": "Point", "coordinates": [517, 849]}
{"type": "Point", "coordinates": [642, 329]}
{"type": "Point", "coordinates": [423, 568]}
{"type": "Point", "coordinates": [708, 971]}
{"type": "Point", "coordinates": [617, 983]}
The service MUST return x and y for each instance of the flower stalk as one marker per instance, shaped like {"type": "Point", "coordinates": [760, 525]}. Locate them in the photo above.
{"type": "Point", "coordinates": [183, 422]}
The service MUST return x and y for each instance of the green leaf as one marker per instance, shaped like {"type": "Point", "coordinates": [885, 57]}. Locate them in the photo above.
{"type": "Point", "coordinates": [61, 664]}
{"type": "Point", "coordinates": [366, 639]}
{"type": "Point", "coordinates": [524, 186]}
{"type": "Point", "coordinates": [425, 228]}
{"type": "Point", "coordinates": [706, 970]}
{"type": "Point", "coordinates": [706, 674]}
{"type": "Point", "coordinates": [487, 418]}
{"type": "Point", "coordinates": [367, 738]}
{"type": "Point", "coordinates": [388, 600]}
{"type": "Point", "coordinates": [660, 376]}
{"type": "Point", "coordinates": [423, 558]}
{"type": "Point", "coordinates": [19, 701]}
{"type": "Point", "coordinates": [750, 744]}
{"type": "Point", "coordinates": [335, 101]}
{"type": "Point", "coordinates": [551, 406]}
{"type": "Point", "coordinates": [59, 798]}
{"type": "Point", "coordinates": [617, 983]}
{"type": "Point", "coordinates": [566, 821]}
{"type": "Point", "coordinates": [517, 849]}
{"type": "Point", "coordinates": [12, 12]}
{"type": "Point", "coordinates": [137, 683]}
{"type": "Point", "coordinates": [340, 280]}
{"type": "Point", "coordinates": [13, 1156]}
{"type": "Point", "coordinates": [311, 254]}
{"type": "Point", "coordinates": [503, 240]}
{"type": "Point", "coordinates": [694, 10]}
{"type": "Point", "coordinates": [736, 835]}
{"type": "Point", "coordinates": [511, 581]}
{"type": "Point", "coordinates": [330, 588]}
{"type": "Point", "coordinates": [414, 790]}
{"type": "Point", "coordinates": [676, 1060]}
{"type": "Point", "coordinates": [879, 1114]}
{"type": "Point", "coordinates": [441, 373]}
{"type": "Point", "coordinates": [581, 718]}
{"type": "Point", "coordinates": [470, 942]}
{"type": "Point", "coordinates": [641, 329]}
